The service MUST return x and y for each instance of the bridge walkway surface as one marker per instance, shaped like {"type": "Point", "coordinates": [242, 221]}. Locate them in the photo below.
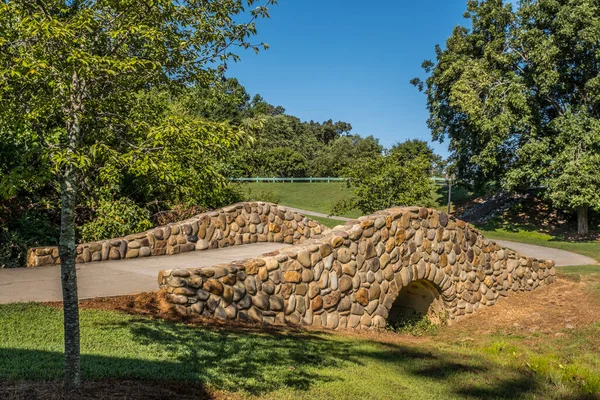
{"type": "Point", "coordinates": [562, 258]}
{"type": "Point", "coordinates": [115, 278]}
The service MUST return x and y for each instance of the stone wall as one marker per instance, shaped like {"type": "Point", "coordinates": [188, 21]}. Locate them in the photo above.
{"type": "Point", "coordinates": [355, 275]}
{"type": "Point", "coordinates": [240, 223]}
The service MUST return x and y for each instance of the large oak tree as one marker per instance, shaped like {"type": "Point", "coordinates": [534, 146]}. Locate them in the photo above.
{"type": "Point", "coordinates": [517, 95]}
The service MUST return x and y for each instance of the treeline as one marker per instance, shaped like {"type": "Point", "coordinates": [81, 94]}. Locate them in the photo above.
{"type": "Point", "coordinates": [283, 145]}
{"type": "Point", "coordinates": [147, 170]}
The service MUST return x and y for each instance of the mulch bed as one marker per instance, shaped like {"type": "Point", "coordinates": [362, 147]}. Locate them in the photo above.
{"type": "Point", "coordinates": [110, 389]}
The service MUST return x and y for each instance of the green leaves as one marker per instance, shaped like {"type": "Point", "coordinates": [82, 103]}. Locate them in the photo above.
{"type": "Point", "coordinates": [518, 95]}
{"type": "Point", "coordinates": [401, 177]}
{"type": "Point", "coordinates": [77, 82]}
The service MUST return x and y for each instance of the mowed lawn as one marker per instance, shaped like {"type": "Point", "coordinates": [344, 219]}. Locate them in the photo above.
{"type": "Point", "coordinates": [318, 197]}
{"type": "Point", "coordinates": [469, 360]}
{"type": "Point", "coordinates": [321, 197]}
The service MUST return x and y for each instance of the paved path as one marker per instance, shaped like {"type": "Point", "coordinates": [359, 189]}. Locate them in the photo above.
{"type": "Point", "coordinates": [562, 257]}
{"type": "Point", "coordinates": [318, 214]}
{"type": "Point", "coordinates": [114, 278]}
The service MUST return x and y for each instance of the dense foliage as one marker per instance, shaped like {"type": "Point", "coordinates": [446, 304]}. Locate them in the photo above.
{"type": "Point", "coordinates": [283, 146]}
{"type": "Point", "coordinates": [518, 97]}
{"type": "Point", "coordinates": [399, 177]}
{"type": "Point", "coordinates": [83, 86]}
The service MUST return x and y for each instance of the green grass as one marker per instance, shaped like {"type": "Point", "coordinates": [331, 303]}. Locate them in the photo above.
{"type": "Point", "coordinates": [297, 364]}
{"type": "Point", "coordinates": [319, 197]}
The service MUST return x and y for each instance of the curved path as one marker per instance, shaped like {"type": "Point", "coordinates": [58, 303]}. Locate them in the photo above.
{"type": "Point", "coordinates": [561, 257]}
{"type": "Point", "coordinates": [115, 278]}
{"type": "Point", "coordinates": [318, 214]}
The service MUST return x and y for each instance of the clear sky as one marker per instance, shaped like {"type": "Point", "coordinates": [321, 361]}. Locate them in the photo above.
{"type": "Point", "coordinates": [351, 60]}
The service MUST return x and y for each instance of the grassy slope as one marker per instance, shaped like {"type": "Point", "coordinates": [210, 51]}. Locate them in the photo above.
{"type": "Point", "coordinates": [319, 197]}
{"type": "Point", "coordinates": [329, 222]}
{"type": "Point", "coordinates": [291, 364]}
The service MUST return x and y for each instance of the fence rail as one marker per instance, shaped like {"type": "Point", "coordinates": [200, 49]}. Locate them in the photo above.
{"type": "Point", "coordinates": [436, 180]}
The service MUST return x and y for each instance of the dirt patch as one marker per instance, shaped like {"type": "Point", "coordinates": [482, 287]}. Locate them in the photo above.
{"type": "Point", "coordinates": [551, 309]}
{"type": "Point", "coordinates": [111, 389]}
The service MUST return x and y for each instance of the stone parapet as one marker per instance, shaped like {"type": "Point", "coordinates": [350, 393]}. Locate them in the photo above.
{"type": "Point", "coordinates": [237, 224]}
{"type": "Point", "coordinates": [353, 276]}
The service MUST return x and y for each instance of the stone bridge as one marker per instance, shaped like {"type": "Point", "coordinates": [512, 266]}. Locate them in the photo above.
{"type": "Point", "coordinates": [238, 224]}
{"type": "Point", "coordinates": [367, 273]}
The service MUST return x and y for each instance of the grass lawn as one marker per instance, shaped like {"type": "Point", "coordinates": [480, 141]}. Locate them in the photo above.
{"type": "Point", "coordinates": [329, 222]}
{"type": "Point", "coordinates": [319, 197]}
{"type": "Point", "coordinates": [298, 364]}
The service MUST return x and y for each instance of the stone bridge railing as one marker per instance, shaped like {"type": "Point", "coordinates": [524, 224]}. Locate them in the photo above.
{"type": "Point", "coordinates": [365, 274]}
{"type": "Point", "coordinates": [240, 223]}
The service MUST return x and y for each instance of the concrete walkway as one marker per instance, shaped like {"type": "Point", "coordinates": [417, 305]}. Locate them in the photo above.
{"type": "Point", "coordinates": [114, 278]}
{"type": "Point", "coordinates": [317, 214]}
{"type": "Point", "coordinates": [561, 257]}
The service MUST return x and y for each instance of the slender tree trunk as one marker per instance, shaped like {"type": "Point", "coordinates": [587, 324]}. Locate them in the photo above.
{"type": "Point", "coordinates": [67, 244]}
{"type": "Point", "coordinates": [582, 220]}
{"type": "Point", "coordinates": [67, 249]}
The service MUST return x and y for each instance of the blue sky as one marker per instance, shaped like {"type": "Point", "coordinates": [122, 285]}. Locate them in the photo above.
{"type": "Point", "coordinates": [351, 60]}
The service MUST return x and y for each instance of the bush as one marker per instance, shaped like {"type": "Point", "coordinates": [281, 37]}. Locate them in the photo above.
{"type": "Point", "coordinates": [401, 177]}
{"type": "Point", "coordinates": [25, 229]}
{"type": "Point", "coordinates": [416, 325]}
{"type": "Point", "coordinates": [115, 218]}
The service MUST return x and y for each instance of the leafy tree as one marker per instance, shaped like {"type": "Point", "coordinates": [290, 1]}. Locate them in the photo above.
{"type": "Point", "coordinates": [275, 132]}
{"type": "Point", "coordinates": [219, 102]}
{"type": "Point", "coordinates": [258, 106]}
{"type": "Point", "coordinates": [341, 153]}
{"type": "Point", "coordinates": [418, 148]}
{"type": "Point", "coordinates": [328, 131]}
{"type": "Point", "coordinates": [397, 178]}
{"type": "Point", "coordinates": [518, 97]}
{"type": "Point", "coordinates": [284, 162]}
{"type": "Point", "coordinates": [71, 74]}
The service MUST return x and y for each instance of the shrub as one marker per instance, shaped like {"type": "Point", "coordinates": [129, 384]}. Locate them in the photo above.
{"type": "Point", "coordinates": [25, 229]}
{"type": "Point", "coordinates": [115, 218]}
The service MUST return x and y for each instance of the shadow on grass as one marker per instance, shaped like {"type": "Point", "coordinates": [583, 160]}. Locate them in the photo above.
{"type": "Point", "coordinates": [247, 359]}
{"type": "Point", "coordinates": [257, 360]}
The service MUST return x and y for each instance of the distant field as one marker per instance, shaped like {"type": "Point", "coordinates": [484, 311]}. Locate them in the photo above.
{"type": "Point", "coordinates": [319, 197]}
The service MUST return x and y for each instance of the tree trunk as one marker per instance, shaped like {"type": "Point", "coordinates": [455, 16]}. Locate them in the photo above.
{"type": "Point", "coordinates": [67, 244]}
{"type": "Point", "coordinates": [67, 249]}
{"type": "Point", "coordinates": [582, 220]}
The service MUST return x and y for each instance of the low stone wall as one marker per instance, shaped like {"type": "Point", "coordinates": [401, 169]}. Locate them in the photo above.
{"type": "Point", "coordinates": [240, 223]}
{"type": "Point", "coordinates": [354, 276]}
